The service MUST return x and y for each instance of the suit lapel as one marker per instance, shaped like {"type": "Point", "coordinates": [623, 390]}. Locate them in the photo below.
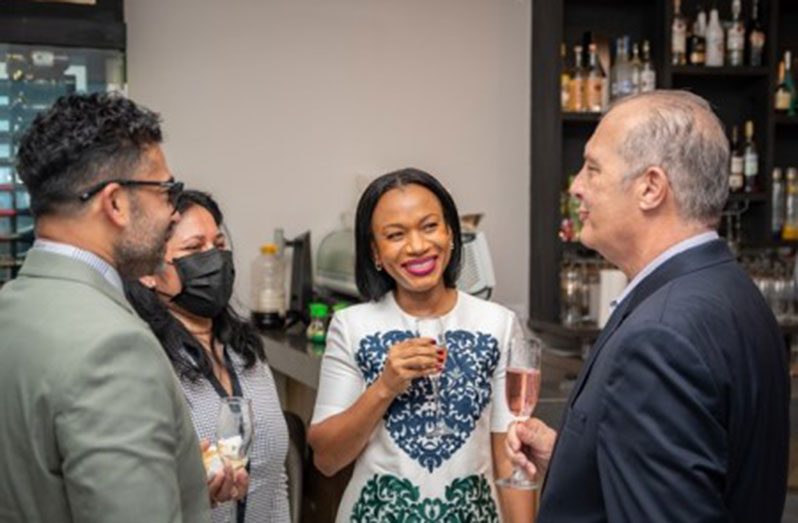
{"type": "Point", "coordinates": [43, 264]}
{"type": "Point", "coordinates": [704, 255]}
{"type": "Point", "coordinates": [683, 263]}
{"type": "Point", "coordinates": [618, 315]}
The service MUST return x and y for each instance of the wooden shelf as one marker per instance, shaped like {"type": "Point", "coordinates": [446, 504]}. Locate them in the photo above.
{"type": "Point", "coordinates": [786, 120]}
{"type": "Point", "coordinates": [719, 72]}
{"type": "Point", "coordinates": [760, 196]}
{"type": "Point", "coordinates": [589, 118]}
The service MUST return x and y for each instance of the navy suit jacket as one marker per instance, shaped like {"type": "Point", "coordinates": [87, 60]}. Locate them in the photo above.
{"type": "Point", "coordinates": [681, 410]}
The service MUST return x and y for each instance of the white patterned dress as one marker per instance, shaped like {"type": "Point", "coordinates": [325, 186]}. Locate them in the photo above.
{"type": "Point", "coordinates": [402, 474]}
{"type": "Point", "coordinates": [267, 499]}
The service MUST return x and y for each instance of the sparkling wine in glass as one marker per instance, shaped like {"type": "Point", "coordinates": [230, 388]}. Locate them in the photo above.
{"type": "Point", "coordinates": [433, 328]}
{"type": "Point", "coordinates": [522, 388]}
{"type": "Point", "coordinates": [234, 434]}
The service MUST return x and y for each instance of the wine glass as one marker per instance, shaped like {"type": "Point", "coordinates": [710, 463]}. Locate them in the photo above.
{"type": "Point", "coordinates": [234, 434]}
{"type": "Point", "coordinates": [522, 387]}
{"type": "Point", "coordinates": [433, 328]}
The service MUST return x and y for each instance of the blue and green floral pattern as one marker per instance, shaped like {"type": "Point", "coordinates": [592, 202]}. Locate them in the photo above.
{"type": "Point", "coordinates": [386, 498]}
{"type": "Point", "coordinates": [465, 391]}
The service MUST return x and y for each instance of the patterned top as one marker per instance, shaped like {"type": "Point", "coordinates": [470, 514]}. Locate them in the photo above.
{"type": "Point", "coordinates": [267, 500]}
{"type": "Point", "coordinates": [403, 474]}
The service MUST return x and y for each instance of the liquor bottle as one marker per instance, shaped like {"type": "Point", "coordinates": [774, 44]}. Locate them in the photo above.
{"type": "Point", "coordinates": [577, 87]}
{"type": "Point", "coordinates": [737, 167]}
{"type": "Point", "coordinates": [565, 79]}
{"type": "Point", "coordinates": [777, 204]}
{"type": "Point", "coordinates": [751, 160]}
{"type": "Point", "coordinates": [648, 75]}
{"type": "Point", "coordinates": [789, 79]}
{"type": "Point", "coordinates": [621, 73]}
{"type": "Point", "coordinates": [637, 69]}
{"type": "Point", "coordinates": [735, 37]}
{"type": "Point", "coordinates": [678, 35]}
{"type": "Point", "coordinates": [783, 97]}
{"type": "Point", "coordinates": [756, 38]}
{"type": "Point", "coordinates": [790, 230]}
{"type": "Point", "coordinates": [715, 45]}
{"type": "Point", "coordinates": [698, 40]}
{"type": "Point", "coordinates": [786, 97]}
{"type": "Point", "coordinates": [595, 83]}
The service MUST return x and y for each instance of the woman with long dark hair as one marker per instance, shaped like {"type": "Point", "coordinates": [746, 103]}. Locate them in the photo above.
{"type": "Point", "coordinates": [215, 353]}
{"type": "Point", "coordinates": [378, 404]}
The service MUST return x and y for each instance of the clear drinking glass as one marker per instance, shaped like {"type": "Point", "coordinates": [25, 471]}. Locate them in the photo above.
{"type": "Point", "coordinates": [433, 328]}
{"type": "Point", "coordinates": [522, 387]}
{"type": "Point", "coordinates": [234, 434]}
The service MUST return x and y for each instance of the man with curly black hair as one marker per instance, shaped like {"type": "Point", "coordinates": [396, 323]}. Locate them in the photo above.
{"type": "Point", "coordinates": [95, 427]}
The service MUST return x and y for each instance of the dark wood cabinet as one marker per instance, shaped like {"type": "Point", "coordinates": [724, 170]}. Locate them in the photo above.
{"type": "Point", "coordinates": [557, 138]}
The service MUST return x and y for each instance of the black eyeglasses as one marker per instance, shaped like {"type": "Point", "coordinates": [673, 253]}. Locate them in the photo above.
{"type": "Point", "coordinates": [173, 188]}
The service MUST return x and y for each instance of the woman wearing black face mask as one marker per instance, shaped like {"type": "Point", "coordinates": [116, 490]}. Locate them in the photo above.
{"type": "Point", "coordinates": [216, 354]}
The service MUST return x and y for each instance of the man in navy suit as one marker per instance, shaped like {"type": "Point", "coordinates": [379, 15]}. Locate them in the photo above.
{"type": "Point", "coordinates": [681, 410]}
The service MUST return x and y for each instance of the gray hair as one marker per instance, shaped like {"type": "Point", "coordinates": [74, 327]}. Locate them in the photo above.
{"type": "Point", "coordinates": [681, 134]}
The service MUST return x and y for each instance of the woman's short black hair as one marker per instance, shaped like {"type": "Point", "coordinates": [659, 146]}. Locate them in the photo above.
{"type": "Point", "coordinates": [374, 284]}
{"type": "Point", "coordinates": [185, 352]}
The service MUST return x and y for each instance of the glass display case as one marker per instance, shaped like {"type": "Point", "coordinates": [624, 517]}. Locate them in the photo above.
{"type": "Point", "coordinates": [31, 78]}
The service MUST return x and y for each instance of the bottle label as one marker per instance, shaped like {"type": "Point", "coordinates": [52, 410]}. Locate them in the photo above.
{"type": "Point", "coordinates": [698, 47]}
{"type": "Point", "coordinates": [594, 94]}
{"type": "Point", "coordinates": [783, 99]}
{"type": "Point", "coordinates": [679, 40]}
{"type": "Point", "coordinates": [637, 80]}
{"type": "Point", "coordinates": [757, 42]}
{"type": "Point", "coordinates": [737, 166]}
{"type": "Point", "coordinates": [736, 39]}
{"type": "Point", "coordinates": [623, 88]}
{"type": "Point", "coordinates": [565, 93]}
{"type": "Point", "coordinates": [576, 97]}
{"type": "Point", "coordinates": [714, 55]}
{"type": "Point", "coordinates": [648, 81]}
{"type": "Point", "coordinates": [777, 206]}
{"type": "Point", "coordinates": [751, 165]}
{"type": "Point", "coordinates": [790, 232]}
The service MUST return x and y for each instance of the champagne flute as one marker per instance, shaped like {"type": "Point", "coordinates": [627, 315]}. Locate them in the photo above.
{"type": "Point", "coordinates": [234, 434]}
{"type": "Point", "coordinates": [433, 328]}
{"type": "Point", "coordinates": [522, 387]}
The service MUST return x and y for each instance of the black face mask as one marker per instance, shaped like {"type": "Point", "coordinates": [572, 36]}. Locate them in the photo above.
{"type": "Point", "coordinates": [207, 279]}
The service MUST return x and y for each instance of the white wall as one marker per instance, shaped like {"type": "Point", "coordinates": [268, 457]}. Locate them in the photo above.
{"type": "Point", "coordinates": [275, 106]}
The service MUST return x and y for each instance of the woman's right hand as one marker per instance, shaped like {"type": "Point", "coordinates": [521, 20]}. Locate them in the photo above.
{"type": "Point", "coordinates": [226, 484]}
{"type": "Point", "coordinates": [408, 360]}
